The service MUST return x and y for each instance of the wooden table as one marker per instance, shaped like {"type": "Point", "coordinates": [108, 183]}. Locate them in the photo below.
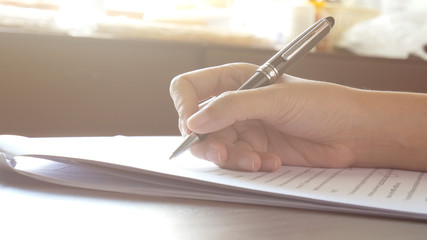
{"type": "Point", "coordinates": [34, 210]}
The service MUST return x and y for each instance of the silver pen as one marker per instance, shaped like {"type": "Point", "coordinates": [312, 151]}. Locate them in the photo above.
{"type": "Point", "coordinates": [273, 69]}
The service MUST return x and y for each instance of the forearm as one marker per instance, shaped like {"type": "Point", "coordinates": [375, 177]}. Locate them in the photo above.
{"type": "Point", "coordinates": [393, 130]}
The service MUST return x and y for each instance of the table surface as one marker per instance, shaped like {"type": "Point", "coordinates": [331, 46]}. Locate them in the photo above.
{"type": "Point", "coordinates": [30, 209]}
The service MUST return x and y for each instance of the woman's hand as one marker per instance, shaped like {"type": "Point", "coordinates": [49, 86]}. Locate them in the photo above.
{"type": "Point", "coordinates": [293, 122]}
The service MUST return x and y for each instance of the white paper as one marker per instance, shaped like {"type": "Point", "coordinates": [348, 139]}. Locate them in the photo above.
{"type": "Point", "coordinates": [140, 165]}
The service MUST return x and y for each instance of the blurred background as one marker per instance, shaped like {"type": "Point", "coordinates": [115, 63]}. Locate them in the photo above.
{"type": "Point", "coordinates": [103, 67]}
{"type": "Point", "coordinates": [260, 23]}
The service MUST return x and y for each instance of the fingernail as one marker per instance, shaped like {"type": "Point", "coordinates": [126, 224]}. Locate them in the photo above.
{"type": "Point", "coordinates": [220, 159]}
{"type": "Point", "coordinates": [246, 164]}
{"type": "Point", "coordinates": [183, 127]}
{"type": "Point", "coordinates": [274, 165]}
{"type": "Point", "coordinates": [213, 155]}
{"type": "Point", "coordinates": [278, 164]}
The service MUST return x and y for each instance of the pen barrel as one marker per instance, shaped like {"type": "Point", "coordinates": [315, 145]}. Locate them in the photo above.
{"type": "Point", "coordinates": [301, 45]}
{"type": "Point", "coordinates": [275, 67]}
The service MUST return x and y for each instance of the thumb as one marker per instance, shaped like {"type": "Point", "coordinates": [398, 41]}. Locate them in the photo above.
{"type": "Point", "coordinates": [234, 106]}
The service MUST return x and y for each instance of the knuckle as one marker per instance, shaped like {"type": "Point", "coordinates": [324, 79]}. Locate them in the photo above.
{"type": "Point", "coordinates": [175, 82]}
{"type": "Point", "coordinates": [179, 82]}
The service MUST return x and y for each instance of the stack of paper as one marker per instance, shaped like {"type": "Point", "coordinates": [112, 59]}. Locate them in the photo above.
{"type": "Point", "coordinates": [141, 165]}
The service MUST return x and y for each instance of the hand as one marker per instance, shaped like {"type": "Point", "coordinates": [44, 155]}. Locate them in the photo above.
{"type": "Point", "coordinates": [294, 122]}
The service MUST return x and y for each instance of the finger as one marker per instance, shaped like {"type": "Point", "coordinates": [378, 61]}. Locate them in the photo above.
{"type": "Point", "coordinates": [188, 89]}
{"type": "Point", "coordinates": [236, 156]}
{"type": "Point", "coordinates": [242, 159]}
{"type": "Point", "coordinates": [254, 133]}
{"type": "Point", "coordinates": [269, 162]}
{"type": "Point", "coordinates": [241, 156]}
{"type": "Point", "coordinates": [211, 149]}
{"type": "Point", "coordinates": [230, 155]}
{"type": "Point", "coordinates": [214, 147]}
{"type": "Point", "coordinates": [230, 107]}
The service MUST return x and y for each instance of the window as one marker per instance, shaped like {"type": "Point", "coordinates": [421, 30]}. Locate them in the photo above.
{"type": "Point", "coordinates": [259, 23]}
{"type": "Point", "coordinates": [120, 18]}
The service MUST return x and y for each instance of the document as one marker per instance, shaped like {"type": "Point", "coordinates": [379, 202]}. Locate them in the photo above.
{"type": "Point", "coordinates": [141, 165]}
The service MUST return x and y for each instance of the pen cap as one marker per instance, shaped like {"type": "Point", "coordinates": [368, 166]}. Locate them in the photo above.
{"type": "Point", "coordinates": [301, 45]}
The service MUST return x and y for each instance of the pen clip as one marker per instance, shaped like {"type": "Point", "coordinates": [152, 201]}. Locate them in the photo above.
{"type": "Point", "coordinates": [290, 53]}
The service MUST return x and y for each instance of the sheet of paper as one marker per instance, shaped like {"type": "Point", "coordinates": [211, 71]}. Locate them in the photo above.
{"type": "Point", "coordinates": [145, 159]}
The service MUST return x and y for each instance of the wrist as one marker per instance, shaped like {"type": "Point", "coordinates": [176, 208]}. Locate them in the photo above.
{"type": "Point", "coordinates": [392, 131]}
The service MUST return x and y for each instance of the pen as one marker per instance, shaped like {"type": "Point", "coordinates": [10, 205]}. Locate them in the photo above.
{"type": "Point", "coordinates": [273, 69]}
